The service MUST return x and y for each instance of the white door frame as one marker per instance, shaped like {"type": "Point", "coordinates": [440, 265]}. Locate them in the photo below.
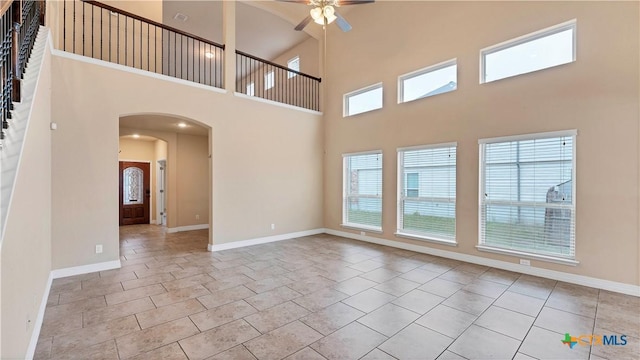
{"type": "Point", "coordinates": [161, 203]}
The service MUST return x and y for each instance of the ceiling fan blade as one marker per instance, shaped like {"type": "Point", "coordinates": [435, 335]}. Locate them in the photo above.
{"type": "Point", "coordinates": [353, 2]}
{"type": "Point", "coordinates": [303, 23]}
{"type": "Point", "coordinates": [342, 23]}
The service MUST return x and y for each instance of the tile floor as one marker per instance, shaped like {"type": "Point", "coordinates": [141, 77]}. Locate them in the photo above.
{"type": "Point", "coordinates": [320, 297]}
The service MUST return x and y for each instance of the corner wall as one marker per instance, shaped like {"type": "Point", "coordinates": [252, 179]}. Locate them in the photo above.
{"type": "Point", "coordinates": [26, 248]}
{"type": "Point", "coordinates": [267, 160]}
{"type": "Point", "coordinates": [598, 95]}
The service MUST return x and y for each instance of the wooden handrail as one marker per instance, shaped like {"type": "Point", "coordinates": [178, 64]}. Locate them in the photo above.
{"type": "Point", "coordinates": [154, 23]}
{"type": "Point", "coordinates": [4, 6]}
{"type": "Point", "coordinates": [277, 65]}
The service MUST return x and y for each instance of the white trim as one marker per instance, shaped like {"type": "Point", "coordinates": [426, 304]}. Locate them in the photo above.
{"type": "Point", "coordinates": [551, 30]}
{"type": "Point", "coordinates": [267, 101]}
{"type": "Point", "coordinates": [85, 269]}
{"type": "Point", "coordinates": [425, 70]}
{"type": "Point", "coordinates": [115, 66]}
{"type": "Point", "coordinates": [37, 326]}
{"type": "Point", "coordinates": [365, 228]}
{"type": "Point", "coordinates": [187, 228]}
{"type": "Point", "coordinates": [524, 254]}
{"type": "Point", "coordinates": [615, 286]}
{"type": "Point", "coordinates": [263, 240]}
{"type": "Point", "coordinates": [345, 98]}
{"type": "Point", "coordinates": [532, 136]}
{"type": "Point", "coordinates": [425, 147]}
{"type": "Point", "coordinates": [425, 238]}
{"type": "Point", "coordinates": [370, 152]}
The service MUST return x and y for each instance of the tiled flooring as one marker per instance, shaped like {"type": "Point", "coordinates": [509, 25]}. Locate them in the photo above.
{"type": "Point", "coordinates": [320, 297]}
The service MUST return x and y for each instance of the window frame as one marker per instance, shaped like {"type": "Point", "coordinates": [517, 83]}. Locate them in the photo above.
{"type": "Point", "coordinates": [536, 35]}
{"type": "Point", "coordinates": [482, 186]}
{"type": "Point", "coordinates": [345, 192]}
{"type": "Point", "coordinates": [271, 74]}
{"type": "Point", "coordinates": [291, 74]}
{"type": "Point", "coordinates": [347, 96]}
{"type": "Point", "coordinates": [419, 72]}
{"type": "Point", "coordinates": [400, 232]}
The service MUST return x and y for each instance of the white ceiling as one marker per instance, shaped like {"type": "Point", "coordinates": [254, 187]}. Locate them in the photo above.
{"type": "Point", "coordinates": [263, 28]}
{"type": "Point", "coordinates": [162, 123]}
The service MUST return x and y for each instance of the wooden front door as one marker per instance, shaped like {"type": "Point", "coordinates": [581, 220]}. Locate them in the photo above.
{"type": "Point", "coordinates": [135, 193]}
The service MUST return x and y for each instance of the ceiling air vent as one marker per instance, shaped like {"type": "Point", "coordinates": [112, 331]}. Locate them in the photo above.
{"type": "Point", "coordinates": [181, 17]}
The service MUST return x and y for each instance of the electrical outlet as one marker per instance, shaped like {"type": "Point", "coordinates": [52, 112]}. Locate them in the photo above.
{"type": "Point", "coordinates": [273, 226]}
{"type": "Point", "coordinates": [98, 249]}
{"type": "Point", "coordinates": [197, 217]}
{"type": "Point", "coordinates": [363, 233]}
{"type": "Point", "coordinates": [525, 262]}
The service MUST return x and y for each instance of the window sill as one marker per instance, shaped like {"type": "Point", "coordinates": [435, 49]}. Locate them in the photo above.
{"type": "Point", "coordinates": [362, 228]}
{"type": "Point", "coordinates": [426, 238]}
{"type": "Point", "coordinates": [527, 255]}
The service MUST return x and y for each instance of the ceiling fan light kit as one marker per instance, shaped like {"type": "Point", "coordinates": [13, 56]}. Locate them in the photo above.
{"type": "Point", "coordinates": [323, 12]}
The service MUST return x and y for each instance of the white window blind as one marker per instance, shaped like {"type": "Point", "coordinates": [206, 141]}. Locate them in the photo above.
{"type": "Point", "coordinates": [427, 192]}
{"type": "Point", "coordinates": [527, 194]}
{"type": "Point", "coordinates": [362, 200]}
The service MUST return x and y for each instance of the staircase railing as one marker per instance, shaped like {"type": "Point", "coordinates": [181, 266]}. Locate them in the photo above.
{"type": "Point", "coordinates": [18, 29]}
{"type": "Point", "coordinates": [268, 80]}
{"type": "Point", "coordinates": [100, 31]}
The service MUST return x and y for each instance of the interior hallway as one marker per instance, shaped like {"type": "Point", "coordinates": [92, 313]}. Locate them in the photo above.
{"type": "Point", "coordinates": [320, 297]}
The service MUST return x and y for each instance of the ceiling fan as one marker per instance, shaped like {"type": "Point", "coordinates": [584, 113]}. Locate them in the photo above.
{"type": "Point", "coordinates": [323, 12]}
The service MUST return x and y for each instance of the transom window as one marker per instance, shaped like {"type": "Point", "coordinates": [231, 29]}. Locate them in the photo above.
{"type": "Point", "coordinates": [527, 193]}
{"type": "Point", "coordinates": [269, 80]}
{"type": "Point", "coordinates": [293, 64]}
{"type": "Point", "coordinates": [540, 50]}
{"type": "Point", "coordinates": [427, 192]}
{"type": "Point", "coordinates": [363, 100]}
{"type": "Point", "coordinates": [251, 89]}
{"type": "Point", "coordinates": [433, 80]}
{"type": "Point", "coordinates": [362, 190]}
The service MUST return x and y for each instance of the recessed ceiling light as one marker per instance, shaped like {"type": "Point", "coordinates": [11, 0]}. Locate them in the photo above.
{"type": "Point", "coordinates": [180, 17]}
{"type": "Point", "coordinates": [209, 54]}
{"type": "Point", "coordinates": [135, 136]}
{"type": "Point", "coordinates": [182, 125]}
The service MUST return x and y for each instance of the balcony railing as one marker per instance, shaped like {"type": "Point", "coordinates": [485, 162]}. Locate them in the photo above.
{"type": "Point", "coordinates": [268, 80]}
{"type": "Point", "coordinates": [100, 31]}
{"type": "Point", "coordinates": [19, 24]}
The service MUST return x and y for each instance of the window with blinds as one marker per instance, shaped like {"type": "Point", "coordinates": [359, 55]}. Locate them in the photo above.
{"type": "Point", "coordinates": [362, 189]}
{"type": "Point", "coordinates": [527, 195]}
{"type": "Point", "coordinates": [427, 192]}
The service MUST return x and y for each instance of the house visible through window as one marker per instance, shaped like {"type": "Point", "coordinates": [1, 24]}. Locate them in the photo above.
{"type": "Point", "coordinates": [293, 64]}
{"type": "Point", "coordinates": [527, 194]}
{"type": "Point", "coordinates": [434, 80]}
{"type": "Point", "coordinates": [543, 49]}
{"type": "Point", "coordinates": [427, 192]}
{"type": "Point", "coordinates": [362, 189]}
{"type": "Point", "coordinates": [269, 80]}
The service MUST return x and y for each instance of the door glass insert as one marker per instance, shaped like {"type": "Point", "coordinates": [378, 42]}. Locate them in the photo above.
{"type": "Point", "coordinates": [132, 186]}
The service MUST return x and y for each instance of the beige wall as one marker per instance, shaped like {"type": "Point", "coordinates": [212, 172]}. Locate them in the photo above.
{"type": "Point", "coordinates": [144, 151]}
{"type": "Point", "coordinates": [267, 160]}
{"type": "Point", "coordinates": [193, 180]}
{"type": "Point", "coordinates": [597, 95]}
{"type": "Point", "coordinates": [26, 248]}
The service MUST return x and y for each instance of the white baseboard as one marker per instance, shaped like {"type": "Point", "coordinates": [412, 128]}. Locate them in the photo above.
{"type": "Point", "coordinates": [37, 326]}
{"type": "Point", "coordinates": [85, 269]}
{"type": "Point", "coordinates": [263, 240]}
{"type": "Point", "coordinates": [545, 273]}
{"type": "Point", "coordinates": [187, 228]}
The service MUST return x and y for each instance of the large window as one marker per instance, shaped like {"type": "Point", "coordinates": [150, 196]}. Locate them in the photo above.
{"type": "Point", "coordinates": [434, 80]}
{"type": "Point", "coordinates": [527, 194]}
{"type": "Point", "coordinates": [293, 64]}
{"type": "Point", "coordinates": [363, 100]}
{"type": "Point", "coordinates": [540, 50]}
{"type": "Point", "coordinates": [362, 191]}
{"type": "Point", "coordinates": [427, 192]}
